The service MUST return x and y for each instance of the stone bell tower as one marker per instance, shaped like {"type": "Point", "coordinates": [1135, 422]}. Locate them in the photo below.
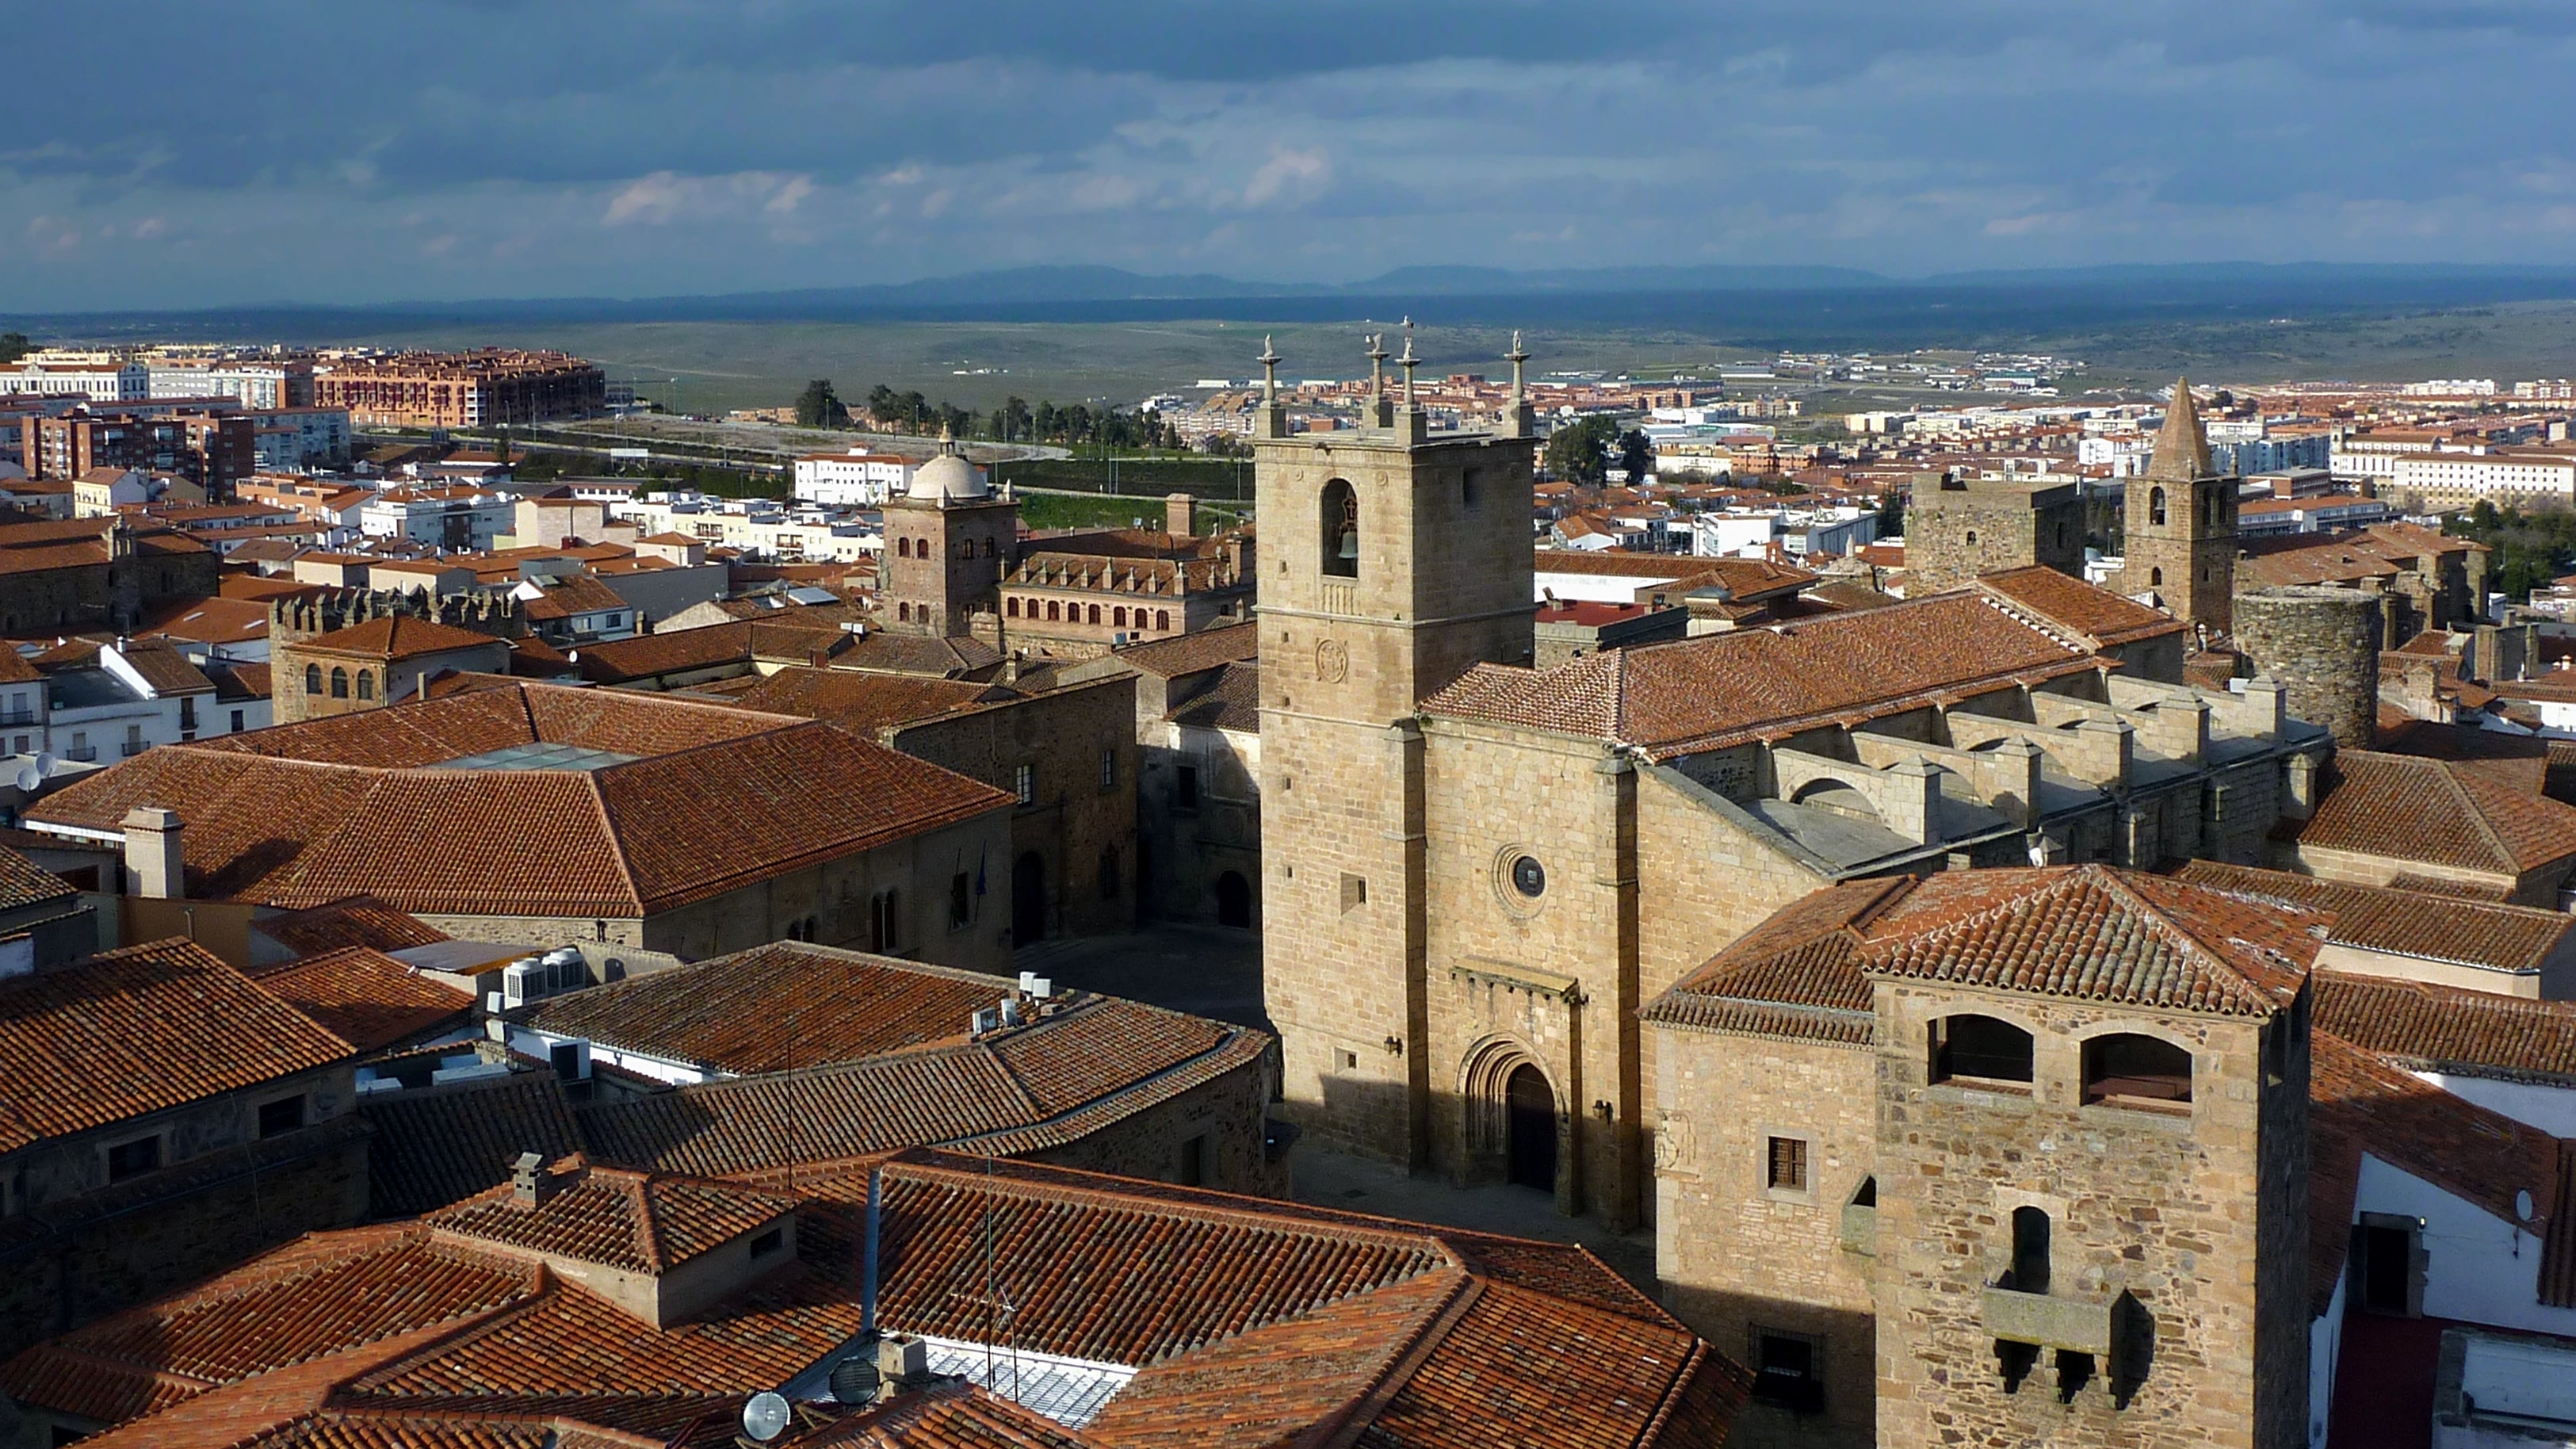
{"type": "Point", "coordinates": [1392, 562]}
{"type": "Point", "coordinates": [2180, 522]}
{"type": "Point", "coordinates": [948, 540]}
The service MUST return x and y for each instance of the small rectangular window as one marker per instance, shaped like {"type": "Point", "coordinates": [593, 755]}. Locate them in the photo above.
{"type": "Point", "coordinates": [133, 1159]}
{"type": "Point", "coordinates": [237, 721]}
{"type": "Point", "coordinates": [1185, 786]}
{"type": "Point", "coordinates": [1354, 891]}
{"type": "Point", "coordinates": [1350, 1060]}
{"type": "Point", "coordinates": [1788, 1164]}
{"type": "Point", "coordinates": [281, 1116]}
{"type": "Point", "coordinates": [1788, 1370]}
{"type": "Point", "coordinates": [961, 901]}
{"type": "Point", "coordinates": [769, 1242]}
{"type": "Point", "coordinates": [1024, 783]}
{"type": "Point", "coordinates": [1109, 768]}
{"type": "Point", "coordinates": [1193, 1164]}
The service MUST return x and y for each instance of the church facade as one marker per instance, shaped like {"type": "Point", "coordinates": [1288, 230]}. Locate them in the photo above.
{"type": "Point", "coordinates": [1476, 873]}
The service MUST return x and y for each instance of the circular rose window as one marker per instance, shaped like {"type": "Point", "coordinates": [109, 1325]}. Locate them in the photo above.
{"type": "Point", "coordinates": [1529, 877]}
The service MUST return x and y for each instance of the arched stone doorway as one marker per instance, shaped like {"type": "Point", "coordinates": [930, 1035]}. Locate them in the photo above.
{"type": "Point", "coordinates": [1234, 901]}
{"type": "Point", "coordinates": [1530, 1139]}
{"type": "Point", "coordinates": [1028, 899]}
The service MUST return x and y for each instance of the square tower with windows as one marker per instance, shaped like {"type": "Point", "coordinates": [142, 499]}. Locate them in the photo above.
{"type": "Point", "coordinates": [948, 540]}
{"type": "Point", "coordinates": [2091, 1182]}
{"type": "Point", "coordinates": [1392, 561]}
{"type": "Point", "coordinates": [2179, 521]}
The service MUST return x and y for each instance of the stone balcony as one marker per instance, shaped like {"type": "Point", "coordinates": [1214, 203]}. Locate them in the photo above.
{"type": "Point", "coordinates": [2045, 1320]}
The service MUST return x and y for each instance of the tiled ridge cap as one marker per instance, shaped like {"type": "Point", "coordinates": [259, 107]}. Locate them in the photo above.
{"type": "Point", "coordinates": [1238, 1043]}
{"type": "Point", "coordinates": [2193, 938]}
{"type": "Point", "coordinates": [1789, 725]}
{"type": "Point", "coordinates": [1234, 1209]}
{"type": "Point", "coordinates": [448, 1338]}
{"type": "Point", "coordinates": [2034, 621]}
{"type": "Point", "coordinates": [1396, 1366]}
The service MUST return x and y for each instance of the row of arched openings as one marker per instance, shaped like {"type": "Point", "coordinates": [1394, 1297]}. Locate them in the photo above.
{"type": "Point", "coordinates": [2116, 1066]}
{"type": "Point", "coordinates": [340, 682]}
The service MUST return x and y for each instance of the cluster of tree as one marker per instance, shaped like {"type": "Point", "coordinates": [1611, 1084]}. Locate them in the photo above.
{"type": "Point", "coordinates": [1584, 451]}
{"type": "Point", "coordinates": [2530, 549]}
{"type": "Point", "coordinates": [1077, 425]}
{"type": "Point", "coordinates": [14, 345]}
{"type": "Point", "coordinates": [910, 412]}
{"type": "Point", "coordinates": [1015, 421]}
{"type": "Point", "coordinates": [818, 406]}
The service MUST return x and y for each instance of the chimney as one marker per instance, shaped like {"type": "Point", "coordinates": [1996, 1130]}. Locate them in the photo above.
{"type": "Point", "coordinates": [531, 1186]}
{"type": "Point", "coordinates": [1180, 515]}
{"type": "Point", "coordinates": [155, 868]}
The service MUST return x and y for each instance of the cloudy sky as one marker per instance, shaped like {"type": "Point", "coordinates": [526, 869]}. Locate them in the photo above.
{"type": "Point", "coordinates": [187, 153]}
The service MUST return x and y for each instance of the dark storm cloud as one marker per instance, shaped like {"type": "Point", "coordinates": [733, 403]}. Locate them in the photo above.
{"type": "Point", "coordinates": [274, 148]}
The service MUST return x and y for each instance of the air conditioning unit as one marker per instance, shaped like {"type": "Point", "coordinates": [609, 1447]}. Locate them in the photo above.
{"type": "Point", "coordinates": [987, 1020]}
{"type": "Point", "coordinates": [523, 981]}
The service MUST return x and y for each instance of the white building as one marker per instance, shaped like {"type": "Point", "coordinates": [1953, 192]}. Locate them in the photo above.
{"type": "Point", "coordinates": [763, 526]}
{"type": "Point", "coordinates": [2497, 476]}
{"type": "Point", "coordinates": [858, 478]}
{"type": "Point", "coordinates": [97, 381]}
{"type": "Point", "coordinates": [451, 517]}
{"type": "Point", "coordinates": [292, 438]}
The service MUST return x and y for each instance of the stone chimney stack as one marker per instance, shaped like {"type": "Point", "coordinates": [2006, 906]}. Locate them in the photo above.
{"type": "Point", "coordinates": [530, 1184]}
{"type": "Point", "coordinates": [1180, 515]}
{"type": "Point", "coordinates": [155, 866]}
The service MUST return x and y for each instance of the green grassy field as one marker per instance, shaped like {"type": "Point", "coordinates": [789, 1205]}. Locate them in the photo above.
{"type": "Point", "coordinates": [718, 366]}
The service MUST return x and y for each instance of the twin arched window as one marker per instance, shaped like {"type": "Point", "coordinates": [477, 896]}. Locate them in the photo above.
{"type": "Point", "coordinates": [2117, 1066]}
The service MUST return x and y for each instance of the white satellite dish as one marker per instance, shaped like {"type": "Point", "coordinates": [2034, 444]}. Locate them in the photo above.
{"type": "Point", "coordinates": [44, 763]}
{"type": "Point", "coordinates": [765, 1417]}
{"type": "Point", "coordinates": [30, 779]}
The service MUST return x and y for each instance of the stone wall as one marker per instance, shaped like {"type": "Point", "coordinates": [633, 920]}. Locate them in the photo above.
{"type": "Point", "coordinates": [1736, 1257]}
{"type": "Point", "coordinates": [2322, 646]}
{"type": "Point", "coordinates": [1958, 529]}
{"type": "Point", "coordinates": [2150, 1214]}
{"type": "Point", "coordinates": [1225, 1118]}
{"type": "Point", "coordinates": [1080, 819]}
{"type": "Point", "coordinates": [1188, 849]}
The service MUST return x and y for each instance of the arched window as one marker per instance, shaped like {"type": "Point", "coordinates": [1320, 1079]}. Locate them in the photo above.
{"type": "Point", "coordinates": [2156, 507]}
{"type": "Point", "coordinates": [1340, 510]}
{"type": "Point", "coordinates": [1095, 614]}
{"type": "Point", "coordinates": [2030, 1251]}
{"type": "Point", "coordinates": [366, 684]}
{"type": "Point", "coordinates": [903, 548]}
{"type": "Point", "coordinates": [1053, 611]}
{"type": "Point", "coordinates": [2155, 578]}
{"type": "Point", "coordinates": [988, 548]}
{"type": "Point", "coordinates": [965, 548]}
{"type": "Point", "coordinates": [2137, 1068]}
{"type": "Point", "coordinates": [1011, 607]}
{"type": "Point", "coordinates": [312, 679]}
{"type": "Point", "coordinates": [1118, 616]}
{"type": "Point", "coordinates": [1972, 538]}
{"type": "Point", "coordinates": [1162, 618]}
{"type": "Point", "coordinates": [2209, 508]}
{"type": "Point", "coordinates": [1980, 1047]}
{"type": "Point", "coordinates": [339, 683]}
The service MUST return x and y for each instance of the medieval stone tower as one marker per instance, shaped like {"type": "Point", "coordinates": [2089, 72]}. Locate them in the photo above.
{"type": "Point", "coordinates": [949, 538]}
{"type": "Point", "coordinates": [2181, 522]}
{"type": "Point", "coordinates": [2091, 1187]}
{"type": "Point", "coordinates": [1392, 561]}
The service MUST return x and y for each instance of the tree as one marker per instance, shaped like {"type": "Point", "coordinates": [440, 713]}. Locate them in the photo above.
{"type": "Point", "coordinates": [501, 446]}
{"type": "Point", "coordinates": [1891, 516]}
{"type": "Point", "coordinates": [1636, 454]}
{"type": "Point", "coordinates": [14, 345]}
{"type": "Point", "coordinates": [820, 407]}
{"type": "Point", "coordinates": [1579, 452]}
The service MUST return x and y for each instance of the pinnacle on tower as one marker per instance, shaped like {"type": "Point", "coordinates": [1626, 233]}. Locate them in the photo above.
{"type": "Point", "coordinates": [2182, 449]}
{"type": "Point", "coordinates": [1518, 423]}
{"type": "Point", "coordinates": [1272, 422]}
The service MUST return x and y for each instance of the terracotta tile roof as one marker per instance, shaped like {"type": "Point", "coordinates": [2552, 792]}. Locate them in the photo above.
{"type": "Point", "coordinates": [2436, 813]}
{"type": "Point", "coordinates": [2464, 890]}
{"type": "Point", "coordinates": [863, 702]}
{"type": "Point", "coordinates": [2099, 933]}
{"type": "Point", "coordinates": [1797, 974]}
{"type": "Point", "coordinates": [1191, 653]}
{"type": "Point", "coordinates": [139, 1030]}
{"type": "Point", "coordinates": [1231, 700]}
{"type": "Point", "coordinates": [359, 920]}
{"type": "Point", "coordinates": [2406, 922]}
{"type": "Point", "coordinates": [167, 671]}
{"type": "Point", "coordinates": [2076, 607]}
{"type": "Point", "coordinates": [396, 637]}
{"type": "Point", "coordinates": [718, 799]}
{"type": "Point", "coordinates": [951, 1416]}
{"type": "Point", "coordinates": [776, 1007]}
{"type": "Point", "coordinates": [1248, 1318]}
{"type": "Point", "coordinates": [892, 1067]}
{"type": "Point", "coordinates": [436, 1145]}
{"type": "Point", "coordinates": [2360, 1104]}
{"type": "Point", "coordinates": [1723, 689]}
{"type": "Point", "coordinates": [364, 997]}
{"type": "Point", "coordinates": [637, 1221]}
{"type": "Point", "coordinates": [2425, 1027]}
{"type": "Point", "coordinates": [569, 596]}
{"type": "Point", "coordinates": [23, 883]}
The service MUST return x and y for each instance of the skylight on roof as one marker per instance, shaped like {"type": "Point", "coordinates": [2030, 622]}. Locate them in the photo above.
{"type": "Point", "coordinates": [542, 755]}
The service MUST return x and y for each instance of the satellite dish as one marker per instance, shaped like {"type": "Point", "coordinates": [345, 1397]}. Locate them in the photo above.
{"type": "Point", "coordinates": [2522, 1205]}
{"type": "Point", "coordinates": [30, 779]}
{"type": "Point", "coordinates": [44, 762]}
{"type": "Point", "coordinates": [856, 1379]}
{"type": "Point", "coordinates": [765, 1417]}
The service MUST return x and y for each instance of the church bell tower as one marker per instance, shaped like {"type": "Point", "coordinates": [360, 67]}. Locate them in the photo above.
{"type": "Point", "coordinates": [1393, 560]}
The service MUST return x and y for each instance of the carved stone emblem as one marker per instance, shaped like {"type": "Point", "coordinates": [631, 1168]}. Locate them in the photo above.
{"type": "Point", "coordinates": [1673, 1145]}
{"type": "Point", "coordinates": [1332, 661]}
